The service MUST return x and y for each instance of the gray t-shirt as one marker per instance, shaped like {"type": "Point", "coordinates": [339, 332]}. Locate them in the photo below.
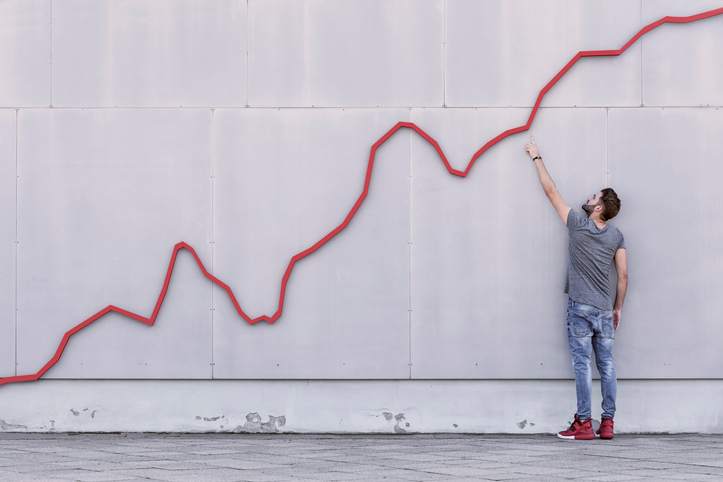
{"type": "Point", "coordinates": [591, 261]}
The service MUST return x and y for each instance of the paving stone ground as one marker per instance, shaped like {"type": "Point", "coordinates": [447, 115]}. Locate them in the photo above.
{"type": "Point", "coordinates": [294, 457]}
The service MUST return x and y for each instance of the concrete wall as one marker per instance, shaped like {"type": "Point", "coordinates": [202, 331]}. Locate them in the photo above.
{"type": "Point", "coordinates": [243, 127]}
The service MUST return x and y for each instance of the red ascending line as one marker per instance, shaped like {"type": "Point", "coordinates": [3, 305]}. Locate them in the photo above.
{"type": "Point", "coordinates": [370, 166]}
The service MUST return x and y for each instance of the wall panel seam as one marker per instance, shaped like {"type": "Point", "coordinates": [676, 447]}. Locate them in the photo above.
{"type": "Point", "coordinates": [247, 53]}
{"type": "Point", "coordinates": [410, 246]}
{"type": "Point", "coordinates": [642, 39]}
{"type": "Point", "coordinates": [212, 229]}
{"type": "Point", "coordinates": [52, 42]}
{"type": "Point", "coordinates": [17, 243]}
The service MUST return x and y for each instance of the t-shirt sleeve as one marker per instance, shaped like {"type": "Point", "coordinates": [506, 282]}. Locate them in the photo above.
{"type": "Point", "coordinates": [621, 243]}
{"type": "Point", "coordinates": [574, 219]}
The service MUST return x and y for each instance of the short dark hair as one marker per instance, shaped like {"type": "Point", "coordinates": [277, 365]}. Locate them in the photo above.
{"type": "Point", "coordinates": [610, 202]}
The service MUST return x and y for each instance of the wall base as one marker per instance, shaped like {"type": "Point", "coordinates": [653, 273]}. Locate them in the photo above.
{"type": "Point", "coordinates": [348, 406]}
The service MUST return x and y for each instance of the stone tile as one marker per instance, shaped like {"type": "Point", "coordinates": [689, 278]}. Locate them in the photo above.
{"type": "Point", "coordinates": [297, 58]}
{"type": "Point", "coordinates": [68, 161]}
{"type": "Point", "coordinates": [398, 462]}
{"type": "Point", "coordinates": [25, 51]}
{"type": "Point", "coordinates": [264, 143]}
{"type": "Point", "coordinates": [561, 29]}
{"type": "Point", "coordinates": [676, 62]}
{"type": "Point", "coordinates": [160, 53]}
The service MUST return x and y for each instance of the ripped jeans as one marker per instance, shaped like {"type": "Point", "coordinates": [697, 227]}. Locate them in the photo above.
{"type": "Point", "coordinates": [589, 327]}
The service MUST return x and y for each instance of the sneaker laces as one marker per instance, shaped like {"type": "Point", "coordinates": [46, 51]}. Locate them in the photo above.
{"type": "Point", "coordinates": [575, 423]}
{"type": "Point", "coordinates": [579, 422]}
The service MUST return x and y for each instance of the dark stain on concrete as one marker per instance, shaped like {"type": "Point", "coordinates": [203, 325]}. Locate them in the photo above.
{"type": "Point", "coordinates": [254, 424]}
{"type": "Point", "coordinates": [397, 427]}
{"type": "Point", "coordinates": [11, 426]}
{"type": "Point", "coordinates": [77, 412]}
{"type": "Point", "coordinates": [524, 423]}
{"type": "Point", "coordinates": [210, 419]}
{"type": "Point", "coordinates": [400, 421]}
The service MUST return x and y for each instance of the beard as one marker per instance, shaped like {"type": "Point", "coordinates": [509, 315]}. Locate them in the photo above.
{"type": "Point", "coordinates": [588, 208]}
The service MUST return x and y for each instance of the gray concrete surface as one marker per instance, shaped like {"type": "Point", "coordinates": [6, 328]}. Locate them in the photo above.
{"type": "Point", "coordinates": [106, 457]}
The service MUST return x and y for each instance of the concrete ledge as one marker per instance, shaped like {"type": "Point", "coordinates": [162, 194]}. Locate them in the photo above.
{"type": "Point", "coordinates": [350, 406]}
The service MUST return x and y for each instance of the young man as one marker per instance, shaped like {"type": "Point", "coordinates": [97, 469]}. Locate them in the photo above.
{"type": "Point", "coordinates": [592, 315]}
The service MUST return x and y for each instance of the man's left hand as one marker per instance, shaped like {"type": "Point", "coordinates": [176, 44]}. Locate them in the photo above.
{"type": "Point", "coordinates": [617, 316]}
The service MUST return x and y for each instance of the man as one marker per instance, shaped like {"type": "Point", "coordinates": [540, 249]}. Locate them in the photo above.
{"type": "Point", "coordinates": [592, 315]}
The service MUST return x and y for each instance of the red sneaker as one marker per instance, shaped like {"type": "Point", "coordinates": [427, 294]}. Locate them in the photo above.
{"type": "Point", "coordinates": [579, 430]}
{"type": "Point", "coordinates": [606, 428]}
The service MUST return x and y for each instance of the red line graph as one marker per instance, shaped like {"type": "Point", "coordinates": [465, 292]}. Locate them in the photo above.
{"type": "Point", "coordinates": [150, 320]}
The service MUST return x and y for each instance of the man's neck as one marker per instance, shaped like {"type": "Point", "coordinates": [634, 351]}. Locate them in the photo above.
{"type": "Point", "coordinates": [598, 222]}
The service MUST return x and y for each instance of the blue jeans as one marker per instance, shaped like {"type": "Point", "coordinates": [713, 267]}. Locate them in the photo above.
{"type": "Point", "coordinates": [589, 327]}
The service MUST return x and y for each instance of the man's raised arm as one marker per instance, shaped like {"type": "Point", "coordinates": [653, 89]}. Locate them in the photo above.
{"type": "Point", "coordinates": [548, 185]}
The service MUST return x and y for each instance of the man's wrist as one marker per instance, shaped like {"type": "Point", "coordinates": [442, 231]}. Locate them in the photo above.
{"type": "Point", "coordinates": [536, 157]}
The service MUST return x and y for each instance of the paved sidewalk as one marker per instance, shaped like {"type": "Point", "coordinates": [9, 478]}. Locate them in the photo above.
{"type": "Point", "coordinates": [262, 457]}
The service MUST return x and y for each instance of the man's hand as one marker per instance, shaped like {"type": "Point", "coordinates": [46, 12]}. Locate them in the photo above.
{"type": "Point", "coordinates": [532, 149]}
{"type": "Point", "coordinates": [617, 316]}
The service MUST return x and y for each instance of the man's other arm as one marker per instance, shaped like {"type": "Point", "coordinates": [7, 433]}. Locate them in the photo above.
{"type": "Point", "coordinates": [621, 265]}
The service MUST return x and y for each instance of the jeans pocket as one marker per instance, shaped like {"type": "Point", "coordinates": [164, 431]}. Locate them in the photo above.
{"type": "Point", "coordinates": [607, 327]}
{"type": "Point", "coordinates": [579, 326]}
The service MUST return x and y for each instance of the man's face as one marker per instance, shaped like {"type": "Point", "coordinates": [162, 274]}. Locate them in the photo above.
{"type": "Point", "coordinates": [591, 202]}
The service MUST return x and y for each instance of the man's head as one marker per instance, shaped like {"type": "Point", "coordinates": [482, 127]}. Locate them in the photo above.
{"type": "Point", "coordinates": [604, 204]}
